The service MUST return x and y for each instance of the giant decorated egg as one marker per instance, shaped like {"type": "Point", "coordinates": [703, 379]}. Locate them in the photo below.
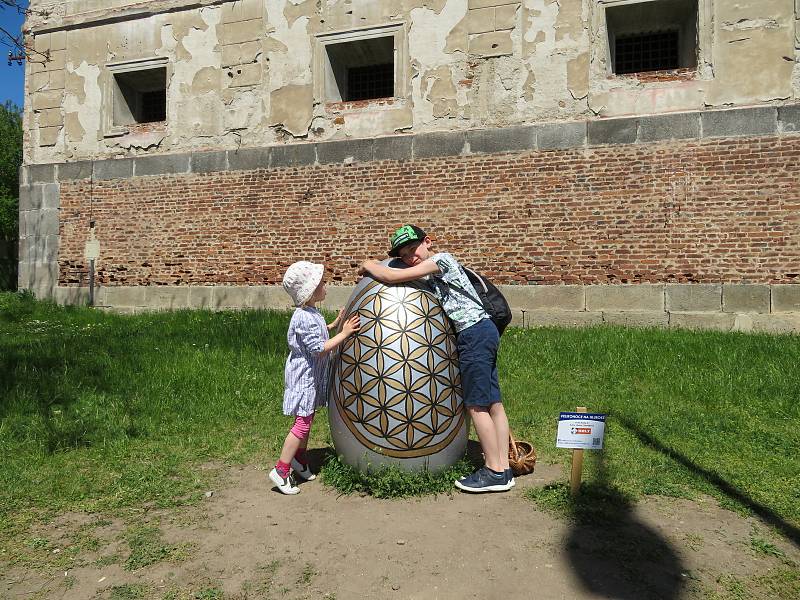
{"type": "Point", "coordinates": [395, 387]}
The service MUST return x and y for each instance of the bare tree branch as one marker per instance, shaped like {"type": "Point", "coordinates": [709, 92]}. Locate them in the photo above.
{"type": "Point", "coordinates": [19, 49]}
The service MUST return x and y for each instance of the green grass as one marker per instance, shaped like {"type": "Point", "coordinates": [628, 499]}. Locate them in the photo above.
{"type": "Point", "coordinates": [391, 481]}
{"type": "Point", "coordinates": [688, 411]}
{"type": "Point", "coordinates": [782, 583]}
{"type": "Point", "coordinates": [147, 548]}
{"type": "Point", "coordinates": [128, 592]}
{"type": "Point", "coordinates": [307, 575]}
{"type": "Point", "coordinates": [101, 411]}
{"type": "Point", "coordinates": [765, 547]}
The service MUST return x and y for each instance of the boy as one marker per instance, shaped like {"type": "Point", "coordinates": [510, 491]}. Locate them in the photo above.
{"type": "Point", "coordinates": [477, 342]}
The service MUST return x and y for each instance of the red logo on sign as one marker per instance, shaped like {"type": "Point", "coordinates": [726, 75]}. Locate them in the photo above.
{"type": "Point", "coordinates": [583, 430]}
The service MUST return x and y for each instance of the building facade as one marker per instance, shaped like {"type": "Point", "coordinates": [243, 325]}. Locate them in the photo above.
{"type": "Point", "coordinates": [625, 161]}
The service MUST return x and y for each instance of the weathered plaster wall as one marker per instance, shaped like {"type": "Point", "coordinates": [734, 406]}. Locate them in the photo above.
{"type": "Point", "coordinates": [242, 73]}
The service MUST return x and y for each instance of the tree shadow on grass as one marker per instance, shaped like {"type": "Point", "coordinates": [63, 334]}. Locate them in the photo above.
{"type": "Point", "coordinates": [732, 492]}
{"type": "Point", "coordinates": [72, 379]}
{"type": "Point", "coordinates": [47, 387]}
{"type": "Point", "coordinates": [613, 553]}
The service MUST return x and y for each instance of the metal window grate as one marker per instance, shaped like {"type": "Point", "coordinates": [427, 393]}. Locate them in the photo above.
{"type": "Point", "coordinates": [373, 81]}
{"type": "Point", "coordinates": [652, 51]}
{"type": "Point", "coordinates": [154, 106]}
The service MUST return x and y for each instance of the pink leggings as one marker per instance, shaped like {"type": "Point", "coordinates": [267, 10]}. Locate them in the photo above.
{"type": "Point", "coordinates": [301, 427]}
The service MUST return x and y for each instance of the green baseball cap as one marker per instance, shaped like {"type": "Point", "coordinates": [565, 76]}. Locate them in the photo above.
{"type": "Point", "coordinates": [405, 236]}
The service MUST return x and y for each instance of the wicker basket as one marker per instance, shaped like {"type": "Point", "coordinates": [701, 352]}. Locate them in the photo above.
{"type": "Point", "coordinates": [521, 456]}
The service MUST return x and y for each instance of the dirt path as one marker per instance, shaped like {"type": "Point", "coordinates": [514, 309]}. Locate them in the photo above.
{"type": "Point", "coordinates": [248, 541]}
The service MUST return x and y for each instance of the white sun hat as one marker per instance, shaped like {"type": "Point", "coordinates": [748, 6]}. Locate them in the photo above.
{"type": "Point", "coordinates": [301, 279]}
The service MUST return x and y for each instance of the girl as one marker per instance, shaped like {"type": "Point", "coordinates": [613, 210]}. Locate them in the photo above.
{"type": "Point", "coordinates": [306, 368]}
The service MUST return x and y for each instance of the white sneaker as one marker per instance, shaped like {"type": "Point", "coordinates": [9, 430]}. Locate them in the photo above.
{"type": "Point", "coordinates": [284, 484]}
{"type": "Point", "coordinates": [302, 471]}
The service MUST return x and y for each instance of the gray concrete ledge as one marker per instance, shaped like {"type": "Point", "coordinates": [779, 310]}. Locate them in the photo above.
{"type": "Point", "coordinates": [645, 297]}
{"type": "Point", "coordinates": [121, 168]}
{"type": "Point", "coordinates": [676, 126]}
{"type": "Point", "coordinates": [722, 307]}
{"type": "Point", "coordinates": [789, 118]}
{"type": "Point", "coordinates": [344, 152]}
{"type": "Point", "coordinates": [208, 162]}
{"type": "Point", "coordinates": [39, 196]}
{"type": "Point", "coordinates": [738, 122]}
{"type": "Point", "coordinates": [38, 230]}
{"type": "Point", "coordinates": [294, 155]}
{"type": "Point", "coordinates": [697, 297]}
{"type": "Point", "coordinates": [745, 298]}
{"type": "Point", "coordinates": [785, 298]}
{"type": "Point", "coordinates": [149, 298]}
{"type": "Point", "coordinates": [439, 144]}
{"type": "Point", "coordinates": [40, 277]}
{"type": "Point", "coordinates": [493, 141]}
{"type": "Point", "coordinates": [41, 173]}
{"type": "Point", "coordinates": [613, 131]}
{"type": "Point", "coordinates": [161, 165]}
{"type": "Point", "coordinates": [392, 148]}
{"type": "Point", "coordinates": [702, 320]}
{"type": "Point", "coordinates": [75, 170]}
{"type": "Point", "coordinates": [561, 136]}
{"type": "Point", "coordinates": [244, 159]}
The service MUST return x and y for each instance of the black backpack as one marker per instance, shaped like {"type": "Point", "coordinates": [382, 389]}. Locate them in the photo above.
{"type": "Point", "coordinates": [489, 297]}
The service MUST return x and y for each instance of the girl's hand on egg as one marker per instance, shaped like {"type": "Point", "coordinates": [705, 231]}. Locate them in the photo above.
{"type": "Point", "coordinates": [352, 325]}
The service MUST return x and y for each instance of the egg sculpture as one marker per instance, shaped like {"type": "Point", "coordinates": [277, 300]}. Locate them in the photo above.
{"type": "Point", "coordinates": [395, 386]}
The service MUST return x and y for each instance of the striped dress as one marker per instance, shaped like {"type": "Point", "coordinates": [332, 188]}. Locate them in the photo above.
{"type": "Point", "coordinates": [305, 375]}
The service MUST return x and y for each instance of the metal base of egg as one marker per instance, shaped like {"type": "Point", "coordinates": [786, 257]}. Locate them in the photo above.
{"type": "Point", "coordinates": [395, 387]}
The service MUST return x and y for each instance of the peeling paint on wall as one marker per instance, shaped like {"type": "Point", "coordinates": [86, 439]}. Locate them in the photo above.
{"type": "Point", "coordinates": [82, 123]}
{"type": "Point", "coordinates": [242, 73]}
{"type": "Point", "coordinates": [290, 80]}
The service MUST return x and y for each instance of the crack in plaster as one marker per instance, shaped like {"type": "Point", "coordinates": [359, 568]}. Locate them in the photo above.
{"type": "Point", "coordinates": [744, 24]}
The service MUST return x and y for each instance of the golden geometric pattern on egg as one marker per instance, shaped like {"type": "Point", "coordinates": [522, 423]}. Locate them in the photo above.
{"type": "Point", "coordinates": [396, 384]}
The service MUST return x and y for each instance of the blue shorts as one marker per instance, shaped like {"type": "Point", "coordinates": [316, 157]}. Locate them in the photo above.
{"type": "Point", "coordinates": [477, 357]}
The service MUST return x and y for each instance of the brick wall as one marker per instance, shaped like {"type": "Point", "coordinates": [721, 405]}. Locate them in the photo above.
{"type": "Point", "coordinates": [705, 210]}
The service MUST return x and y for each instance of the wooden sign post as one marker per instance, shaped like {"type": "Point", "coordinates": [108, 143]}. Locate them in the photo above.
{"type": "Point", "coordinates": [577, 465]}
{"type": "Point", "coordinates": [580, 431]}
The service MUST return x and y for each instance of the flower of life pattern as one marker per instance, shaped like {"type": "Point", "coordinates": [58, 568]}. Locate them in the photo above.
{"type": "Point", "coordinates": [396, 384]}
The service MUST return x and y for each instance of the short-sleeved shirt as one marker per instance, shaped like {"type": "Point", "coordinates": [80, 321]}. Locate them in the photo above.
{"type": "Point", "coordinates": [305, 374]}
{"type": "Point", "coordinates": [461, 310]}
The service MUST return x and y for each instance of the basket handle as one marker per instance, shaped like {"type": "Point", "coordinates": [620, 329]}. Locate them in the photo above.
{"type": "Point", "coordinates": [513, 443]}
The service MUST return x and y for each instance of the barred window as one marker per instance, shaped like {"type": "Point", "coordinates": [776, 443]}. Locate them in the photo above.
{"type": "Point", "coordinates": [652, 51]}
{"type": "Point", "coordinates": [655, 35]}
{"type": "Point", "coordinates": [374, 81]}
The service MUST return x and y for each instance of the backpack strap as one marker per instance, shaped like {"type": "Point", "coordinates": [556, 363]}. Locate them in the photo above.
{"type": "Point", "coordinates": [478, 277]}
{"type": "Point", "coordinates": [462, 291]}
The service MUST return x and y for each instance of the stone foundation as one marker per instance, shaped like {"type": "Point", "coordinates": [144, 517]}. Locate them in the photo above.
{"type": "Point", "coordinates": [723, 307]}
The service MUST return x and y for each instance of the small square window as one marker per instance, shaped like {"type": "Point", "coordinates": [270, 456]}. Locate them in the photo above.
{"type": "Point", "coordinates": [360, 70]}
{"type": "Point", "coordinates": [140, 96]}
{"type": "Point", "coordinates": [657, 35]}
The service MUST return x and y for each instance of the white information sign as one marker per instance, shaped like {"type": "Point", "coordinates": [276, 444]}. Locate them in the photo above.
{"type": "Point", "coordinates": [581, 430]}
{"type": "Point", "coordinates": [92, 249]}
